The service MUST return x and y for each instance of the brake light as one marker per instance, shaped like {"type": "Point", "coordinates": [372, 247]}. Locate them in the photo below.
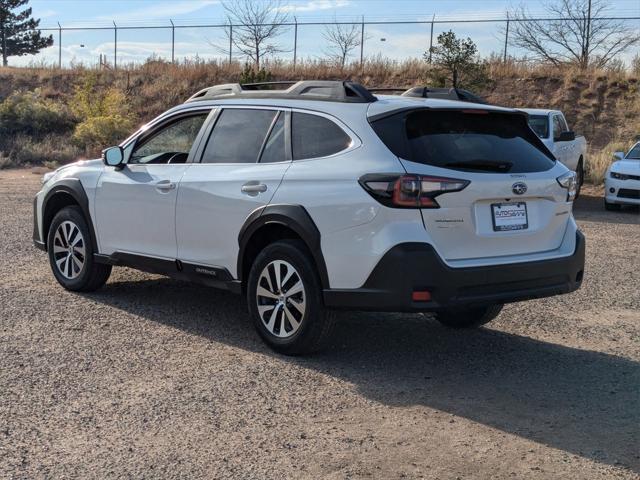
{"type": "Point", "coordinates": [410, 191]}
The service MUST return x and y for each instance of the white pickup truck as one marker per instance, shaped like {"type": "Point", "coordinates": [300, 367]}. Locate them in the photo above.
{"type": "Point", "coordinates": [553, 130]}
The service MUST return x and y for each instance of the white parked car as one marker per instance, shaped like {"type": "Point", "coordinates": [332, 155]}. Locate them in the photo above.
{"type": "Point", "coordinates": [319, 197]}
{"type": "Point", "coordinates": [554, 131]}
{"type": "Point", "coordinates": [622, 181]}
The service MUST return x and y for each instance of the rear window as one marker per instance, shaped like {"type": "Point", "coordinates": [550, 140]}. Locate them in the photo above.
{"type": "Point", "coordinates": [460, 140]}
{"type": "Point", "coordinates": [540, 125]}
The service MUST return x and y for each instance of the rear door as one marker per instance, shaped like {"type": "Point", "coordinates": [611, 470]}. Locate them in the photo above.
{"type": "Point", "coordinates": [513, 204]}
{"type": "Point", "coordinates": [238, 169]}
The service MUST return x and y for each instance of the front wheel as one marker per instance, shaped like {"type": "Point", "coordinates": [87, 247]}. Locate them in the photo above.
{"type": "Point", "coordinates": [70, 252]}
{"type": "Point", "coordinates": [468, 317]}
{"type": "Point", "coordinates": [284, 295]}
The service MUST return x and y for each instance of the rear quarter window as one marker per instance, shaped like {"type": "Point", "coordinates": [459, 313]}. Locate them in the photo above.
{"type": "Point", "coordinates": [314, 136]}
{"type": "Point", "coordinates": [492, 142]}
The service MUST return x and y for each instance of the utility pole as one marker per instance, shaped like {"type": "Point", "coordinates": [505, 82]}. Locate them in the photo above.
{"type": "Point", "coordinates": [115, 46]}
{"type": "Point", "coordinates": [295, 42]}
{"type": "Point", "coordinates": [3, 34]}
{"type": "Point", "coordinates": [362, 43]}
{"type": "Point", "coordinates": [173, 42]}
{"type": "Point", "coordinates": [506, 39]}
{"type": "Point", "coordinates": [431, 37]}
{"type": "Point", "coordinates": [59, 45]}
{"type": "Point", "coordinates": [585, 53]}
{"type": "Point", "coordinates": [230, 42]}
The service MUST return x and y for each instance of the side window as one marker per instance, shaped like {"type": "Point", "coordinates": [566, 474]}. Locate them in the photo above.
{"type": "Point", "coordinates": [238, 135]}
{"type": "Point", "coordinates": [563, 123]}
{"type": "Point", "coordinates": [171, 143]}
{"type": "Point", "coordinates": [274, 150]}
{"type": "Point", "coordinates": [557, 127]}
{"type": "Point", "coordinates": [314, 136]}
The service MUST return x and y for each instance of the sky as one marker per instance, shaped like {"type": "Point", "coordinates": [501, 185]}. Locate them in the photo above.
{"type": "Point", "coordinates": [392, 41]}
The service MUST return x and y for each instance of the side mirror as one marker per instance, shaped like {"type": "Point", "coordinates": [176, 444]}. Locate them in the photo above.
{"type": "Point", "coordinates": [618, 155]}
{"type": "Point", "coordinates": [113, 156]}
{"type": "Point", "coordinates": [566, 136]}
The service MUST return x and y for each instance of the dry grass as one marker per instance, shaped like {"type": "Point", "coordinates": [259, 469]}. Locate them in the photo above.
{"type": "Point", "coordinates": [602, 105]}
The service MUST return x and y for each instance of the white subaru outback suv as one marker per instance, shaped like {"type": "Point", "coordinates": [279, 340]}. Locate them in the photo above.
{"type": "Point", "coordinates": [319, 197]}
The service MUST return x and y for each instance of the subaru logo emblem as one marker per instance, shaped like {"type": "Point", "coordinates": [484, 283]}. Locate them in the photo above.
{"type": "Point", "coordinates": [519, 188]}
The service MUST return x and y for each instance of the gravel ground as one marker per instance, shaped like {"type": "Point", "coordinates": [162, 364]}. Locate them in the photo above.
{"type": "Point", "coordinates": [154, 378]}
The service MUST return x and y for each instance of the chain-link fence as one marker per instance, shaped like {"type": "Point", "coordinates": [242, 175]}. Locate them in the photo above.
{"type": "Point", "coordinates": [116, 44]}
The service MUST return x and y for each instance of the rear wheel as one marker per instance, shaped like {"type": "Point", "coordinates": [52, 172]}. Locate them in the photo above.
{"type": "Point", "coordinates": [468, 317]}
{"type": "Point", "coordinates": [70, 252]}
{"type": "Point", "coordinates": [612, 206]}
{"type": "Point", "coordinates": [284, 295]}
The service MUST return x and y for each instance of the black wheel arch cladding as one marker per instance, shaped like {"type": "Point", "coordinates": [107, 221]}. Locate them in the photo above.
{"type": "Point", "coordinates": [70, 187]}
{"type": "Point", "coordinates": [293, 217]}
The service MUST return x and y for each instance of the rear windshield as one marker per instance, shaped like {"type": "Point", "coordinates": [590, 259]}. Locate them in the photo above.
{"type": "Point", "coordinates": [464, 140]}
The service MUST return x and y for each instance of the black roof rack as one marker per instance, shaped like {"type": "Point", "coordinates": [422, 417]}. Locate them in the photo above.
{"type": "Point", "coordinates": [444, 93]}
{"type": "Point", "coordinates": [327, 90]}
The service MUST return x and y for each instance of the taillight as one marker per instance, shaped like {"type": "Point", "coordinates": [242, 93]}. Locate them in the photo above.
{"type": "Point", "coordinates": [409, 191]}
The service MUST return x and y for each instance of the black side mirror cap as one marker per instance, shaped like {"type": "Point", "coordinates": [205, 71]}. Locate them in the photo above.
{"type": "Point", "coordinates": [566, 136]}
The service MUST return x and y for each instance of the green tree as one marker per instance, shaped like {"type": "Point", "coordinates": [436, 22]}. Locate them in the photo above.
{"type": "Point", "coordinates": [456, 60]}
{"type": "Point", "coordinates": [19, 34]}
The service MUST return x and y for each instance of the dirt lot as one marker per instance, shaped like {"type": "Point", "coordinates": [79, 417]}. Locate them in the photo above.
{"type": "Point", "coordinates": [153, 378]}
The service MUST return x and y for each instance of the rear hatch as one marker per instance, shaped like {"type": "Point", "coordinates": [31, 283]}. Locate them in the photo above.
{"type": "Point", "coordinates": [512, 205]}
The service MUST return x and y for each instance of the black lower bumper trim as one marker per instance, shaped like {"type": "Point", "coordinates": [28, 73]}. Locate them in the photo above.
{"type": "Point", "coordinates": [416, 266]}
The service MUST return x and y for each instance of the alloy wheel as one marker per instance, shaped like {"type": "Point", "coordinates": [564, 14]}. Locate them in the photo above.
{"type": "Point", "coordinates": [281, 298]}
{"type": "Point", "coordinates": [69, 250]}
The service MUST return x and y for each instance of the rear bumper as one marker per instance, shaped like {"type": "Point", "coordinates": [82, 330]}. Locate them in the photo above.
{"type": "Point", "coordinates": [416, 266]}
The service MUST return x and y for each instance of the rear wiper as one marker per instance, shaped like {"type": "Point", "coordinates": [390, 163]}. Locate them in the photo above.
{"type": "Point", "coordinates": [482, 165]}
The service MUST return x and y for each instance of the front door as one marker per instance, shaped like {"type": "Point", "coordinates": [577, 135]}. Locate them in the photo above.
{"type": "Point", "coordinates": [238, 170]}
{"type": "Point", "coordinates": [135, 205]}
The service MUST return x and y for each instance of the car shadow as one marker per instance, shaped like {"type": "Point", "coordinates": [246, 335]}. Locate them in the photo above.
{"type": "Point", "coordinates": [590, 208]}
{"type": "Point", "coordinates": [583, 402]}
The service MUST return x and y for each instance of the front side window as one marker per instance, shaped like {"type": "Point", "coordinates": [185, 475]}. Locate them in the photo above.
{"type": "Point", "coordinates": [170, 143]}
{"type": "Point", "coordinates": [634, 153]}
{"type": "Point", "coordinates": [314, 136]}
{"type": "Point", "coordinates": [557, 127]}
{"type": "Point", "coordinates": [238, 136]}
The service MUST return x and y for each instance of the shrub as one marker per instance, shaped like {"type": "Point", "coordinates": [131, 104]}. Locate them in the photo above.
{"type": "Point", "coordinates": [30, 113]}
{"type": "Point", "coordinates": [96, 133]}
{"type": "Point", "coordinates": [55, 149]}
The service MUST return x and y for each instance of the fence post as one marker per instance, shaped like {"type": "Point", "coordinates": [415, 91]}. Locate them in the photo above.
{"type": "Point", "coordinates": [59, 45]}
{"type": "Point", "coordinates": [506, 39]}
{"type": "Point", "coordinates": [362, 43]}
{"type": "Point", "coordinates": [230, 41]}
{"type": "Point", "coordinates": [173, 42]}
{"type": "Point", "coordinates": [431, 37]}
{"type": "Point", "coordinates": [115, 46]}
{"type": "Point", "coordinates": [295, 43]}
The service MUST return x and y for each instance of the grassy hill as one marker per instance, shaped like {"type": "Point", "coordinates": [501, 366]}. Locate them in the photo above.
{"type": "Point", "coordinates": [41, 109]}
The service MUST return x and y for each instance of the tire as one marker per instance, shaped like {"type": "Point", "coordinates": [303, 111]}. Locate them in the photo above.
{"type": "Point", "coordinates": [468, 317]}
{"type": "Point", "coordinates": [275, 311]}
{"type": "Point", "coordinates": [579, 178]}
{"type": "Point", "coordinates": [78, 272]}
{"type": "Point", "coordinates": [612, 207]}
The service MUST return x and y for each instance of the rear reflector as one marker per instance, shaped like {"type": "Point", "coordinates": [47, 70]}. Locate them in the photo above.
{"type": "Point", "coordinates": [421, 296]}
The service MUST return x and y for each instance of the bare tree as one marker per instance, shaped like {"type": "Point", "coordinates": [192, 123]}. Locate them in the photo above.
{"type": "Point", "coordinates": [254, 25]}
{"type": "Point", "coordinates": [585, 36]}
{"type": "Point", "coordinates": [342, 40]}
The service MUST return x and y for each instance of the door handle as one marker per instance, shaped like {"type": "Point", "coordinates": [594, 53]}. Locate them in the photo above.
{"type": "Point", "coordinates": [253, 188]}
{"type": "Point", "coordinates": [165, 185]}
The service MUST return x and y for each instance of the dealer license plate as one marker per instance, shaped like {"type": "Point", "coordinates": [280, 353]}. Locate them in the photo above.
{"type": "Point", "coordinates": [509, 216]}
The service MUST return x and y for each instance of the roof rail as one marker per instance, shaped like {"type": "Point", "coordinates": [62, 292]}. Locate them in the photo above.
{"type": "Point", "coordinates": [327, 90]}
{"type": "Point", "coordinates": [444, 93]}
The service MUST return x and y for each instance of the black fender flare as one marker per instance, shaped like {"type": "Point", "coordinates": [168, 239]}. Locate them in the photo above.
{"type": "Point", "coordinates": [72, 187]}
{"type": "Point", "coordinates": [294, 217]}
